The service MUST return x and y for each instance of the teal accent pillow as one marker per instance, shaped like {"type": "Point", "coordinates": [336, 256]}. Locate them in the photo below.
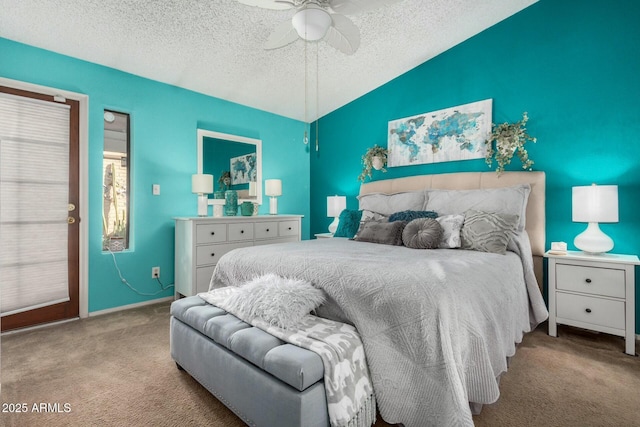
{"type": "Point", "coordinates": [349, 223]}
{"type": "Point", "coordinates": [411, 215]}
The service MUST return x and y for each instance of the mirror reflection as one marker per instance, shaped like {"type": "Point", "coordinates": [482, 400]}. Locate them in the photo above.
{"type": "Point", "coordinates": [235, 163]}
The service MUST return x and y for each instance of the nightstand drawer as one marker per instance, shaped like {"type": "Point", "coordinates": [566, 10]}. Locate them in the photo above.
{"type": "Point", "coordinates": [288, 228]}
{"type": "Point", "coordinates": [596, 311]}
{"type": "Point", "coordinates": [211, 233]}
{"type": "Point", "coordinates": [241, 231]}
{"type": "Point", "coordinates": [591, 280]}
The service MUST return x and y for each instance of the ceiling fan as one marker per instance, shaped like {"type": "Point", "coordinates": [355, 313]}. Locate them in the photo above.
{"type": "Point", "coordinates": [318, 20]}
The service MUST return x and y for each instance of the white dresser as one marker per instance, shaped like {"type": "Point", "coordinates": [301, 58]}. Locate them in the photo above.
{"type": "Point", "coordinates": [593, 292]}
{"type": "Point", "coordinates": [201, 241]}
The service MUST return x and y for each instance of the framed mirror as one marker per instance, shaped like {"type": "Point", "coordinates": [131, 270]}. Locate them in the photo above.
{"type": "Point", "coordinates": [238, 155]}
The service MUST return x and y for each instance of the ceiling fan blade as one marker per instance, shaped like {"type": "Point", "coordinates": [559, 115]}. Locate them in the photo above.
{"type": "Point", "coordinates": [281, 36]}
{"type": "Point", "coordinates": [268, 4]}
{"type": "Point", "coordinates": [343, 34]}
{"type": "Point", "coordinates": [350, 7]}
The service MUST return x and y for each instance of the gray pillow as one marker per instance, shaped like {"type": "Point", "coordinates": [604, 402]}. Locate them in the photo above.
{"type": "Point", "coordinates": [487, 231]}
{"type": "Point", "coordinates": [386, 204]}
{"type": "Point", "coordinates": [388, 233]}
{"type": "Point", "coordinates": [505, 200]}
{"type": "Point", "coordinates": [422, 233]}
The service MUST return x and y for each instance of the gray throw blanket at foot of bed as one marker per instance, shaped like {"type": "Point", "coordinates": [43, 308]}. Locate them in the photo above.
{"type": "Point", "coordinates": [350, 398]}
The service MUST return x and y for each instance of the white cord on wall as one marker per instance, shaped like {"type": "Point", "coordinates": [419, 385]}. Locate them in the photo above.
{"type": "Point", "coordinates": [123, 280]}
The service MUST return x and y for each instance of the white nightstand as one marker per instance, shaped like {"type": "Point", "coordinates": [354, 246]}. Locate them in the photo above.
{"type": "Point", "coordinates": [595, 292]}
{"type": "Point", "coordinates": [323, 235]}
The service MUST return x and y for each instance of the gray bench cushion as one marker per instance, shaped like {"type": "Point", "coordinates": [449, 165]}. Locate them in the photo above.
{"type": "Point", "coordinates": [296, 366]}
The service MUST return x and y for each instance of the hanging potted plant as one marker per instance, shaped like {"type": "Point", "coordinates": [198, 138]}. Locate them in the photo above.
{"type": "Point", "coordinates": [374, 158]}
{"type": "Point", "coordinates": [509, 139]}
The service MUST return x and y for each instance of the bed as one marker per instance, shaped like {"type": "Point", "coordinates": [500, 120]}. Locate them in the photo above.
{"type": "Point", "coordinates": [438, 326]}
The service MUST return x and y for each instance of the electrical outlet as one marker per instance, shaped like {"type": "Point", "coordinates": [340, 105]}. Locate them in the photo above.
{"type": "Point", "coordinates": [155, 272]}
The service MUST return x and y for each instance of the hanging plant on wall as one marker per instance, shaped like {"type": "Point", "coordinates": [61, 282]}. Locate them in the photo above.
{"type": "Point", "coordinates": [509, 139]}
{"type": "Point", "coordinates": [374, 158]}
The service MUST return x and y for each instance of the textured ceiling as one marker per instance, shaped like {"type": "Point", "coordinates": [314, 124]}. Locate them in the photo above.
{"type": "Point", "coordinates": [215, 46]}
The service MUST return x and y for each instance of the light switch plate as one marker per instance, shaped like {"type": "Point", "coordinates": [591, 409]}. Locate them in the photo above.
{"type": "Point", "coordinates": [156, 189]}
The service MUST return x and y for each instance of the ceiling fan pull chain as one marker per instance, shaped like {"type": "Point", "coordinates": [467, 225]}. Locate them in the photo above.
{"type": "Point", "coordinates": [306, 135]}
{"type": "Point", "coordinates": [317, 92]}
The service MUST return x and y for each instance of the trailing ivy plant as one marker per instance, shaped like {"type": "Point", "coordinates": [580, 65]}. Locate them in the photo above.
{"type": "Point", "coordinates": [509, 139]}
{"type": "Point", "coordinates": [367, 161]}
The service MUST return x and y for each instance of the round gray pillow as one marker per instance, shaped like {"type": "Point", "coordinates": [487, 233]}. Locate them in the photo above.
{"type": "Point", "coordinates": [422, 233]}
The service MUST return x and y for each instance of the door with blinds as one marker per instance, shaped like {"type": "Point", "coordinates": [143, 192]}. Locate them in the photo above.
{"type": "Point", "coordinates": [39, 196]}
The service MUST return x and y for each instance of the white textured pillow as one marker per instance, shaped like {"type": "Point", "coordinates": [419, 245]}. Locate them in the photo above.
{"type": "Point", "coordinates": [506, 200]}
{"type": "Point", "coordinates": [278, 300]}
{"type": "Point", "coordinates": [451, 225]}
{"type": "Point", "coordinates": [386, 204]}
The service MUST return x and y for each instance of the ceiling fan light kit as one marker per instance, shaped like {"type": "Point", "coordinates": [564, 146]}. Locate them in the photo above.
{"type": "Point", "coordinates": [311, 22]}
{"type": "Point", "coordinates": [317, 20]}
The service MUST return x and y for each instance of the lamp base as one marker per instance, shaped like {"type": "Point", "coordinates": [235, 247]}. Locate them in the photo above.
{"type": "Point", "coordinates": [593, 240]}
{"type": "Point", "coordinates": [203, 205]}
{"type": "Point", "coordinates": [273, 206]}
{"type": "Point", "coordinates": [334, 225]}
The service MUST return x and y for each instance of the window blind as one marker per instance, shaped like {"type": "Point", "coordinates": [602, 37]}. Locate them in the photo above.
{"type": "Point", "coordinates": [34, 195]}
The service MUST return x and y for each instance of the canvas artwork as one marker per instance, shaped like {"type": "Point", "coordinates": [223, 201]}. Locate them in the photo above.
{"type": "Point", "coordinates": [243, 169]}
{"type": "Point", "coordinates": [456, 133]}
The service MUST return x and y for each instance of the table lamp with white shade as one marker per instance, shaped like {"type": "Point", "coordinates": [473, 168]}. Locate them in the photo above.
{"type": "Point", "coordinates": [594, 204]}
{"type": "Point", "coordinates": [202, 184]}
{"type": "Point", "coordinates": [335, 206]}
{"type": "Point", "coordinates": [273, 189]}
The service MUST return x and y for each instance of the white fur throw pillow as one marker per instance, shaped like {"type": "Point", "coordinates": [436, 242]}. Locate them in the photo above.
{"type": "Point", "coordinates": [278, 300]}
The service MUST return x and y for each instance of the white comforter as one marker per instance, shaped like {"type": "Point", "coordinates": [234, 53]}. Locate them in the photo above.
{"type": "Point", "coordinates": [437, 325]}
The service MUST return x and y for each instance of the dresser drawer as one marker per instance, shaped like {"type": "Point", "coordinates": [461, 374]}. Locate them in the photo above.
{"type": "Point", "coordinates": [242, 231]}
{"type": "Point", "coordinates": [210, 254]}
{"type": "Point", "coordinates": [266, 230]}
{"type": "Point", "coordinates": [211, 233]}
{"type": "Point", "coordinates": [591, 280]}
{"type": "Point", "coordinates": [288, 228]}
{"type": "Point", "coordinates": [596, 311]}
{"type": "Point", "coordinates": [203, 278]}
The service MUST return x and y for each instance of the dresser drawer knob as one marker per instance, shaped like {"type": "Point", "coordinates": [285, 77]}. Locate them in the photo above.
{"type": "Point", "coordinates": [241, 231]}
{"type": "Point", "coordinates": [588, 310]}
{"type": "Point", "coordinates": [213, 254]}
{"type": "Point", "coordinates": [213, 233]}
{"type": "Point", "coordinates": [289, 228]}
{"type": "Point", "coordinates": [588, 280]}
{"type": "Point", "coordinates": [267, 230]}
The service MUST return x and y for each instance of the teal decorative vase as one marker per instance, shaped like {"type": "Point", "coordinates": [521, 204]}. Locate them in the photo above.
{"type": "Point", "coordinates": [231, 203]}
{"type": "Point", "coordinates": [246, 208]}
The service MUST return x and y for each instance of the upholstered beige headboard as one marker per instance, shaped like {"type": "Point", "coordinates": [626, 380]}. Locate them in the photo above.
{"type": "Point", "coordinates": [535, 225]}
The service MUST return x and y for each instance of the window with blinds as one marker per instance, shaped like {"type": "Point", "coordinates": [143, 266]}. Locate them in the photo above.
{"type": "Point", "coordinates": [34, 202]}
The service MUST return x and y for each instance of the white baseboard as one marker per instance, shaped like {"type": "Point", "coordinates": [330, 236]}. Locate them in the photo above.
{"type": "Point", "coordinates": [129, 306]}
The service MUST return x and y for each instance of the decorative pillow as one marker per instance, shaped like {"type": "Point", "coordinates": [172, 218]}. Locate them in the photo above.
{"type": "Point", "coordinates": [422, 233]}
{"type": "Point", "coordinates": [506, 200]}
{"type": "Point", "coordinates": [388, 233]}
{"type": "Point", "coordinates": [451, 226]}
{"type": "Point", "coordinates": [386, 204]}
{"type": "Point", "coordinates": [488, 231]}
{"type": "Point", "coordinates": [278, 300]}
{"type": "Point", "coordinates": [349, 223]}
{"type": "Point", "coordinates": [411, 215]}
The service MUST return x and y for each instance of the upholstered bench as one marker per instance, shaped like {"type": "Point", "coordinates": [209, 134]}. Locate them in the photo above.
{"type": "Point", "coordinates": [264, 380]}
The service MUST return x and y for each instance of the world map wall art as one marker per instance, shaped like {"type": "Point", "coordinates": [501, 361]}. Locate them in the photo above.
{"type": "Point", "coordinates": [451, 134]}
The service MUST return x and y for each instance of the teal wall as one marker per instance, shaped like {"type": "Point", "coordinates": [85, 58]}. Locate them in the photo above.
{"type": "Point", "coordinates": [573, 65]}
{"type": "Point", "coordinates": [164, 120]}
